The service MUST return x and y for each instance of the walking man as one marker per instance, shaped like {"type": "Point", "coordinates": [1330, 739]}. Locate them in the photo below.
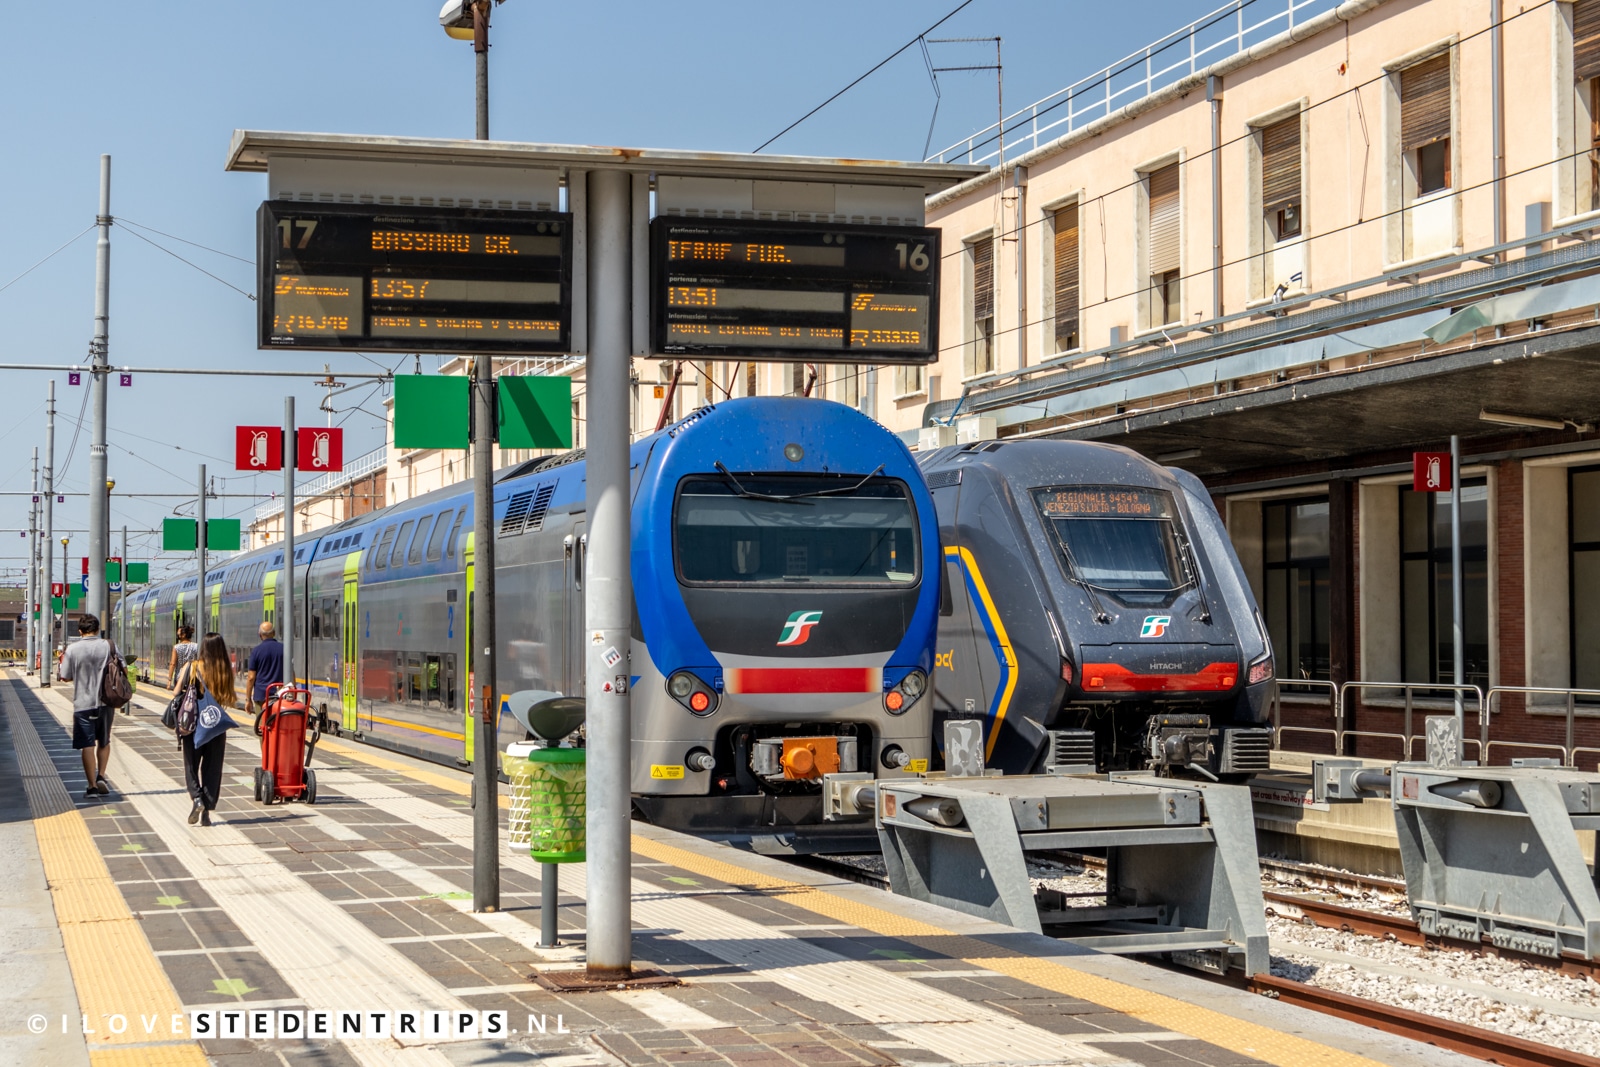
{"type": "Point", "coordinates": [82, 664]}
{"type": "Point", "coordinates": [264, 668]}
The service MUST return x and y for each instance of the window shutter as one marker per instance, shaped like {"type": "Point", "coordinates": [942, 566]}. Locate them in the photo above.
{"type": "Point", "coordinates": [1066, 252]}
{"type": "Point", "coordinates": [1586, 39]}
{"type": "Point", "coordinates": [982, 279]}
{"type": "Point", "coordinates": [1280, 163]}
{"type": "Point", "coordinates": [1425, 103]}
{"type": "Point", "coordinates": [1163, 220]}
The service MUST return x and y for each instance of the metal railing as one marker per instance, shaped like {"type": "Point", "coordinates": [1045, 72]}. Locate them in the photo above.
{"type": "Point", "coordinates": [1408, 736]}
{"type": "Point", "coordinates": [357, 468]}
{"type": "Point", "coordinates": [1335, 709]}
{"type": "Point", "coordinates": [1222, 34]}
{"type": "Point", "coordinates": [1568, 751]}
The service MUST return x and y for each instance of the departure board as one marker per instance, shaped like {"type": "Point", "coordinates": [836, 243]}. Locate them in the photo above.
{"type": "Point", "coordinates": [360, 276]}
{"type": "Point", "coordinates": [812, 292]}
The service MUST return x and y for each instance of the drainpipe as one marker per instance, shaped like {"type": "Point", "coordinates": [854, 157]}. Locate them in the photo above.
{"type": "Point", "coordinates": [1214, 95]}
{"type": "Point", "coordinates": [1497, 132]}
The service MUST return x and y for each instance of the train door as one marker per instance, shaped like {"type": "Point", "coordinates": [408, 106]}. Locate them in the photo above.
{"type": "Point", "coordinates": [576, 551]}
{"type": "Point", "coordinates": [215, 625]}
{"type": "Point", "coordinates": [269, 597]}
{"type": "Point", "coordinates": [350, 647]}
{"type": "Point", "coordinates": [467, 731]}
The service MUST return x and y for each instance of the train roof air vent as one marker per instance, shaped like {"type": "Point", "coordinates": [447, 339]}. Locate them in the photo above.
{"type": "Point", "coordinates": [541, 504]}
{"type": "Point", "coordinates": [944, 479]}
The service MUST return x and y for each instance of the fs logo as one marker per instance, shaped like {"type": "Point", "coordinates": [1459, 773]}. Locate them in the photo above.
{"type": "Point", "coordinates": [1155, 625]}
{"type": "Point", "coordinates": [798, 628]}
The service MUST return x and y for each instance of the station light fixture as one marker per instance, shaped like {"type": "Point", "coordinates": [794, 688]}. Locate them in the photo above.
{"type": "Point", "coordinates": [1534, 421]}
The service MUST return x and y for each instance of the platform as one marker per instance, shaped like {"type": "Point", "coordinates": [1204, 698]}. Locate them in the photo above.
{"type": "Point", "coordinates": [362, 904]}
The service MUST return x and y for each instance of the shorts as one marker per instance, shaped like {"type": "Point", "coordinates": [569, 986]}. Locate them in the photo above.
{"type": "Point", "coordinates": [91, 729]}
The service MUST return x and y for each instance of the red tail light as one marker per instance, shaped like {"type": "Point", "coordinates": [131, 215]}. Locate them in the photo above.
{"type": "Point", "coordinates": [1115, 678]}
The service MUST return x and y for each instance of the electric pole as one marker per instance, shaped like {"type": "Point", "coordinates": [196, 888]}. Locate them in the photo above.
{"type": "Point", "coordinates": [96, 592]}
{"type": "Point", "coordinates": [200, 558]}
{"type": "Point", "coordinates": [33, 568]}
{"type": "Point", "coordinates": [286, 602]}
{"type": "Point", "coordinates": [47, 658]}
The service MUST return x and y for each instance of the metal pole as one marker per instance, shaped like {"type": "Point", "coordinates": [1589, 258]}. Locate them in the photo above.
{"type": "Point", "coordinates": [122, 598]}
{"type": "Point", "coordinates": [200, 558]}
{"type": "Point", "coordinates": [486, 745]}
{"type": "Point", "coordinates": [480, 48]}
{"type": "Point", "coordinates": [1457, 612]}
{"type": "Point", "coordinates": [286, 601]}
{"type": "Point", "coordinates": [608, 593]}
{"type": "Point", "coordinates": [33, 567]}
{"type": "Point", "coordinates": [549, 903]}
{"type": "Point", "coordinates": [47, 648]}
{"type": "Point", "coordinates": [97, 594]}
{"type": "Point", "coordinates": [1497, 125]}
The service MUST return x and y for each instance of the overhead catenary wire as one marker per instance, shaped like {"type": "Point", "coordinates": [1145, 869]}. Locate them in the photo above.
{"type": "Point", "coordinates": [48, 258]}
{"type": "Point", "coordinates": [125, 221]}
{"type": "Point", "coordinates": [196, 266]}
{"type": "Point", "coordinates": [877, 67]}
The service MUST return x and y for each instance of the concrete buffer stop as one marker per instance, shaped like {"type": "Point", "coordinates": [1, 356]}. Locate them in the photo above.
{"type": "Point", "coordinates": [611, 194]}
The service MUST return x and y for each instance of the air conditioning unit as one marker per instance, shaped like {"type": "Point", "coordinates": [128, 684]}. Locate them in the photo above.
{"type": "Point", "coordinates": [932, 437]}
{"type": "Point", "coordinates": [976, 428]}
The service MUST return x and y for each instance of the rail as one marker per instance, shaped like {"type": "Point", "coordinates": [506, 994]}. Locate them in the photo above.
{"type": "Point", "coordinates": [1184, 53]}
{"type": "Point", "coordinates": [359, 467]}
{"type": "Point", "coordinates": [1568, 751]}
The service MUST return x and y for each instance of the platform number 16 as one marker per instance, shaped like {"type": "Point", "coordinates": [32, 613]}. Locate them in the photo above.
{"type": "Point", "coordinates": [307, 227]}
{"type": "Point", "coordinates": [916, 258]}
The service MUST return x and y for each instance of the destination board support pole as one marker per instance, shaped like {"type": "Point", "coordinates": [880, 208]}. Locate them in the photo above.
{"type": "Point", "coordinates": [97, 592]}
{"type": "Point", "coordinates": [1457, 614]}
{"type": "Point", "coordinates": [608, 593]}
{"type": "Point", "coordinates": [486, 747]}
{"type": "Point", "coordinates": [47, 644]}
{"type": "Point", "coordinates": [122, 597]}
{"type": "Point", "coordinates": [286, 602]}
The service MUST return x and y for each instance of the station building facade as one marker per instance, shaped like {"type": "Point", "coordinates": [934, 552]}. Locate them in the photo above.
{"type": "Point", "coordinates": [1285, 262]}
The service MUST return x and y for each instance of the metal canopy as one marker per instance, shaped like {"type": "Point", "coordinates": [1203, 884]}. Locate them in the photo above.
{"type": "Point", "coordinates": [1378, 409]}
{"type": "Point", "coordinates": [251, 149]}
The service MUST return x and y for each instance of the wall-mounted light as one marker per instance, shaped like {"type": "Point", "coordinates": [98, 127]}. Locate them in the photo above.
{"type": "Point", "coordinates": [1174, 457]}
{"type": "Point", "coordinates": [1534, 422]}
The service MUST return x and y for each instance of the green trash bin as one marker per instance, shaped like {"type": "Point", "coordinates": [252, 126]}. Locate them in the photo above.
{"type": "Point", "coordinates": [557, 785]}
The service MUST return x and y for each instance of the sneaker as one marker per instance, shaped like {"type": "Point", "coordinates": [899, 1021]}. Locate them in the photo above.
{"type": "Point", "coordinates": [90, 794]}
{"type": "Point", "coordinates": [102, 787]}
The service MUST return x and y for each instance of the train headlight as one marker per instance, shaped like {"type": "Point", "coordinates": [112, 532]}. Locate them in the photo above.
{"type": "Point", "coordinates": [1260, 670]}
{"type": "Point", "coordinates": [905, 694]}
{"type": "Point", "coordinates": [687, 689]}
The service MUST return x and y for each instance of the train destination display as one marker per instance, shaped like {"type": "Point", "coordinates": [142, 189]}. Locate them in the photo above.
{"type": "Point", "coordinates": [817, 292]}
{"type": "Point", "coordinates": [360, 276]}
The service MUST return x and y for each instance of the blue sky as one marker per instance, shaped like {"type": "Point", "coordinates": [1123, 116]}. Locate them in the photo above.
{"type": "Point", "coordinates": [163, 94]}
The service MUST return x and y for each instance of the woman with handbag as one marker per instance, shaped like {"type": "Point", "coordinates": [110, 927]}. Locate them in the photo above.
{"type": "Point", "coordinates": [210, 675]}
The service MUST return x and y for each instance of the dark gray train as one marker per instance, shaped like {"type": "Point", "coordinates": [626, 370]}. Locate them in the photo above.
{"type": "Point", "coordinates": [1094, 611]}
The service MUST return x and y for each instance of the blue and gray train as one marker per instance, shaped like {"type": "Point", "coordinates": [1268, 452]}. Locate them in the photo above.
{"type": "Point", "coordinates": [786, 589]}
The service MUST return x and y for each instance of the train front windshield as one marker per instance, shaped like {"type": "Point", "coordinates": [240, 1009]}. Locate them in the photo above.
{"type": "Point", "coordinates": [814, 530]}
{"type": "Point", "coordinates": [1120, 540]}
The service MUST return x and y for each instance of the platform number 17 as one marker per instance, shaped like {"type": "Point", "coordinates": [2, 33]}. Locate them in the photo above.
{"type": "Point", "coordinates": [914, 256]}
{"type": "Point", "coordinates": [307, 227]}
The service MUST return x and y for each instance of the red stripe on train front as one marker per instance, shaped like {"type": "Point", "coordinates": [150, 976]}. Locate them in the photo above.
{"type": "Point", "coordinates": [751, 680]}
{"type": "Point", "coordinates": [1114, 678]}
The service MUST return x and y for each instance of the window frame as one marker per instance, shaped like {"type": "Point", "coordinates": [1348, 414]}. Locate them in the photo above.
{"type": "Point", "coordinates": [1436, 557]}
{"type": "Point", "coordinates": [1291, 564]}
{"type": "Point", "coordinates": [1574, 547]}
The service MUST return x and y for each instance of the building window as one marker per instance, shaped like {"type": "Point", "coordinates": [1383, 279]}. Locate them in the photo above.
{"type": "Point", "coordinates": [1295, 554]}
{"type": "Point", "coordinates": [849, 387]}
{"type": "Point", "coordinates": [1280, 178]}
{"type": "Point", "coordinates": [1066, 264]}
{"type": "Point", "coordinates": [1586, 75]}
{"type": "Point", "coordinates": [1425, 124]}
{"type": "Point", "coordinates": [1165, 260]}
{"type": "Point", "coordinates": [980, 352]}
{"type": "Point", "coordinates": [1427, 646]}
{"type": "Point", "coordinates": [1583, 503]}
{"type": "Point", "coordinates": [908, 379]}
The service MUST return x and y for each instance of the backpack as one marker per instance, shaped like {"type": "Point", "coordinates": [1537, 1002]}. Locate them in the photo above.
{"type": "Point", "coordinates": [115, 692]}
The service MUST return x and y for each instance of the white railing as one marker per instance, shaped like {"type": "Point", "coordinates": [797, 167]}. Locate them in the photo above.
{"type": "Point", "coordinates": [1203, 43]}
{"type": "Point", "coordinates": [356, 469]}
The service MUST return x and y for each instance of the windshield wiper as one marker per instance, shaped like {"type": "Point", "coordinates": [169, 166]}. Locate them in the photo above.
{"type": "Point", "coordinates": [1100, 613]}
{"type": "Point", "coordinates": [791, 498]}
{"type": "Point", "coordinates": [1196, 576]}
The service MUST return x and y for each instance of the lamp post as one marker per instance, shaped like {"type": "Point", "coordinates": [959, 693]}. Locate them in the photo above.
{"type": "Point", "coordinates": [66, 585]}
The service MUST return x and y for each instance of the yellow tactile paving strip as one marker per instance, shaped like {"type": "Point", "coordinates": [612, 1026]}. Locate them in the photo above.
{"type": "Point", "coordinates": [113, 966]}
{"type": "Point", "coordinates": [1169, 1013]}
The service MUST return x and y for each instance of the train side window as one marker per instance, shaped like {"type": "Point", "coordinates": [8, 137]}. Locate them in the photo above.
{"type": "Point", "coordinates": [414, 689]}
{"type": "Point", "coordinates": [436, 544]}
{"type": "Point", "coordinates": [380, 556]}
{"type": "Point", "coordinates": [455, 534]}
{"type": "Point", "coordinates": [401, 542]}
{"type": "Point", "coordinates": [449, 671]}
{"type": "Point", "coordinates": [419, 542]}
{"type": "Point", "coordinates": [431, 680]}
